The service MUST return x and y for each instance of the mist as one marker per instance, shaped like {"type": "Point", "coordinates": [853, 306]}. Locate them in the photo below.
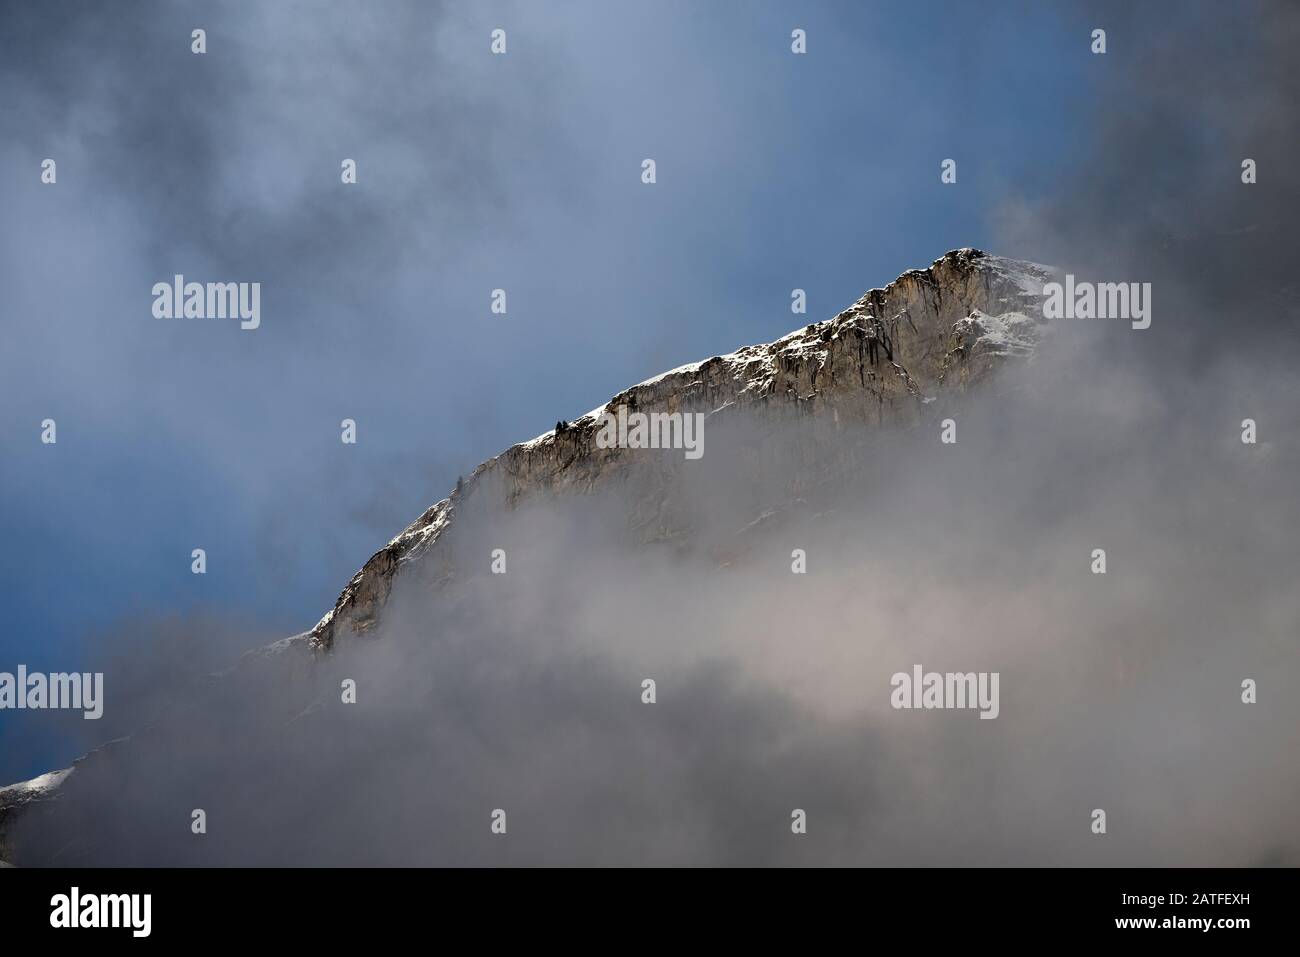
{"type": "Point", "coordinates": [1119, 691]}
{"type": "Point", "coordinates": [522, 691]}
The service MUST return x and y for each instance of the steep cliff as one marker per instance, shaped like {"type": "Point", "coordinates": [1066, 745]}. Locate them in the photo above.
{"type": "Point", "coordinates": [896, 357]}
{"type": "Point", "coordinates": [931, 332]}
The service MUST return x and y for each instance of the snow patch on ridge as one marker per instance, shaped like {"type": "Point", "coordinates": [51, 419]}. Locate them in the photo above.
{"type": "Point", "coordinates": [37, 785]}
{"type": "Point", "coordinates": [1008, 334]}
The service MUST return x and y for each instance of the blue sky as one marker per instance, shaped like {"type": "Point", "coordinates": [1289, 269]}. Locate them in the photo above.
{"type": "Point", "coordinates": [522, 171]}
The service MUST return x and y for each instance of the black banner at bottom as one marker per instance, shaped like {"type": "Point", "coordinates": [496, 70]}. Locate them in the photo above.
{"type": "Point", "coordinates": [338, 906]}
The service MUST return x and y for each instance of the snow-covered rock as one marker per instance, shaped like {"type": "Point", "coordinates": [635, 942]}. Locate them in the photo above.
{"type": "Point", "coordinates": [880, 361]}
{"type": "Point", "coordinates": [929, 335]}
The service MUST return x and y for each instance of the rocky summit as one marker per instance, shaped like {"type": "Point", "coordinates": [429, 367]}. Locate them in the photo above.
{"type": "Point", "coordinates": [929, 334]}
{"type": "Point", "coordinates": [899, 356]}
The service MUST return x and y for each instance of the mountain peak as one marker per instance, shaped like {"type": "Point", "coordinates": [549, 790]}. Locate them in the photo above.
{"type": "Point", "coordinates": [897, 356]}
{"type": "Point", "coordinates": [896, 349]}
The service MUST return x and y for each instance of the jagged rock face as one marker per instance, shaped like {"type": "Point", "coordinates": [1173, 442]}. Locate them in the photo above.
{"type": "Point", "coordinates": [896, 357]}
{"type": "Point", "coordinates": [17, 797]}
{"type": "Point", "coordinates": [881, 362]}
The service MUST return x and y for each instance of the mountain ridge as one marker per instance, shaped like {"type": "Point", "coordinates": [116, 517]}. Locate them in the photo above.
{"type": "Point", "coordinates": [887, 359]}
{"type": "Point", "coordinates": [940, 320]}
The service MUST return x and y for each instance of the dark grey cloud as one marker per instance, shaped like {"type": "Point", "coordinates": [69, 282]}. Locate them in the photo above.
{"type": "Point", "coordinates": [1119, 691]}
{"type": "Point", "coordinates": [1182, 98]}
{"type": "Point", "coordinates": [522, 691]}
